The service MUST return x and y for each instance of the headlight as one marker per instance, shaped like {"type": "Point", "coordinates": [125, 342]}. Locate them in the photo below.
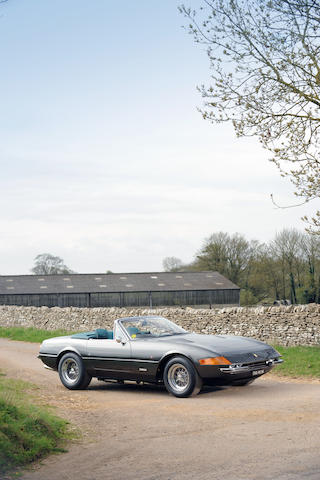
{"type": "Point", "coordinates": [214, 361]}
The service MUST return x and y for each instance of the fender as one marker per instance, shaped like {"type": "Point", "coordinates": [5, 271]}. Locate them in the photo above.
{"type": "Point", "coordinates": [165, 357]}
{"type": "Point", "coordinates": [67, 349]}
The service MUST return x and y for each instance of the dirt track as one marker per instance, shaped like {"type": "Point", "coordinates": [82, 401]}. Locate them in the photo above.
{"type": "Point", "coordinates": [269, 430]}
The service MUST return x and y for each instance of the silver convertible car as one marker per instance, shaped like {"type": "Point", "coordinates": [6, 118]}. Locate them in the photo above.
{"type": "Point", "coordinates": [153, 349]}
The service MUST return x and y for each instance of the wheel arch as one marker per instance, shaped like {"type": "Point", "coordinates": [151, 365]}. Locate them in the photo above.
{"type": "Point", "coordinates": [165, 359]}
{"type": "Point", "coordinates": [63, 352]}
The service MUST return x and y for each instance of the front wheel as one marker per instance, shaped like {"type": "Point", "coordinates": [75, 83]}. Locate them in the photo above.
{"type": "Point", "coordinates": [72, 372]}
{"type": "Point", "coordinates": [181, 378]}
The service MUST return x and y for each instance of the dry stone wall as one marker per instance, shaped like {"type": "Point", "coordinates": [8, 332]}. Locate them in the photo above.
{"type": "Point", "coordinates": [284, 325]}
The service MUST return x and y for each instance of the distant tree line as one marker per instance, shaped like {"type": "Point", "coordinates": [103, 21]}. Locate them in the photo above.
{"type": "Point", "coordinates": [286, 268]}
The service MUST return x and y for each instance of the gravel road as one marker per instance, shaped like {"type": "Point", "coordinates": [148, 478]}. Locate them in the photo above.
{"type": "Point", "coordinates": [269, 430]}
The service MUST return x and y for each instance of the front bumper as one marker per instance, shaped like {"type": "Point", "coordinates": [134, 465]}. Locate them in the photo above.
{"type": "Point", "coordinates": [49, 360]}
{"type": "Point", "coordinates": [228, 374]}
{"type": "Point", "coordinates": [236, 368]}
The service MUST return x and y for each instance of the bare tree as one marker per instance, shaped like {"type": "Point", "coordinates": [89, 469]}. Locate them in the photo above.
{"type": "Point", "coordinates": [264, 55]}
{"type": "Point", "coordinates": [286, 247]}
{"type": "Point", "coordinates": [47, 264]}
{"type": "Point", "coordinates": [213, 255]}
{"type": "Point", "coordinates": [310, 245]}
{"type": "Point", "coordinates": [172, 264]}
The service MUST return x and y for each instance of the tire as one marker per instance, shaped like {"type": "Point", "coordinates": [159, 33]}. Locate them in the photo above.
{"type": "Point", "coordinates": [181, 378]}
{"type": "Point", "coordinates": [72, 372]}
{"type": "Point", "coordinates": [243, 383]}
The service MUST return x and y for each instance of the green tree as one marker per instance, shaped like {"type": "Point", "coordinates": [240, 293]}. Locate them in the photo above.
{"type": "Point", "coordinates": [47, 264]}
{"type": "Point", "coordinates": [264, 58]}
{"type": "Point", "coordinates": [230, 255]}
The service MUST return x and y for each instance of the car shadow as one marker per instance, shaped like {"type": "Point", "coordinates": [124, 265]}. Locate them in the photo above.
{"type": "Point", "coordinates": [129, 386]}
{"type": "Point", "coordinates": [213, 388]}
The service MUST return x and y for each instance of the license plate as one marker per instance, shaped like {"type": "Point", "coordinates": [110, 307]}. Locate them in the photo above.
{"type": "Point", "coordinates": [257, 372]}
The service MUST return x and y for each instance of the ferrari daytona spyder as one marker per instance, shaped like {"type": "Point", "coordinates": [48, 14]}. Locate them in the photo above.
{"type": "Point", "coordinates": [153, 349]}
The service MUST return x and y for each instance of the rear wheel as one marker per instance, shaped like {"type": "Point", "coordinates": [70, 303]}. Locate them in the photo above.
{"type": "Point", "coordinates": [72, 372]}
{"type": "Point", "coordinates": [181, 378]}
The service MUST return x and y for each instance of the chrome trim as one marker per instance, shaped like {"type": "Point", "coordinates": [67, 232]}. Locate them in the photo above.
{"type": "Point", "coordinates": [178, 377]}
{"type": "Point", "coordinates": [119, 323]}
{"type": "Point", "coordinates": [120, 359]}
{"type": "Point", "coordinates": [70, 370]}
{"type": "Point", "coordinates": [50, 355]}
{"type": "Point", "coordinates": [234, 369]}
{"type": "Point", "coordinates": [240, 368]}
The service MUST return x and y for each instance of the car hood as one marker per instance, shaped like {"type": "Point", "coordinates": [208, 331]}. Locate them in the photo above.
{"type": "Point", "coordinates": [234, 348]}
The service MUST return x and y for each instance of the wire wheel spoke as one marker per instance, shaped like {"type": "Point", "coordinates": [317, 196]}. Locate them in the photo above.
{"type": "Point", "coordinates": [178, 377]}
{"type": "Point", "coordinates": [70, 370]}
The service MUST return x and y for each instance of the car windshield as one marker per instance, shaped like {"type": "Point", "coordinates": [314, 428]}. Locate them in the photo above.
{"type": "Point", "coordinates": [139, 327]}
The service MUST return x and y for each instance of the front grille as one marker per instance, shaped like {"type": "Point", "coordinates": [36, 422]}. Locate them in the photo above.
{"type": "Point", "coordinates": [255, 365]}
{"type": "Point", "coordinates": [248, 358]}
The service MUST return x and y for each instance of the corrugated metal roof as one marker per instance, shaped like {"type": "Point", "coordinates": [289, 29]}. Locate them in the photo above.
{"type": "Point", "coordinates": [113, 282]}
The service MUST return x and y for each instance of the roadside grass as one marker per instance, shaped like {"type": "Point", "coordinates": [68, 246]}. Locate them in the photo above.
{"type": "Point", "coordinates": [27, 432]}
{"type": "Point", "coordinates": [299, 361]}
{"type": "Point", "coordinates": [30, 334]}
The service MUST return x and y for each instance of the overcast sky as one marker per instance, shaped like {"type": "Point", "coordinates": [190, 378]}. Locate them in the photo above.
{"type": "Point", "coordinates": [105, 160]}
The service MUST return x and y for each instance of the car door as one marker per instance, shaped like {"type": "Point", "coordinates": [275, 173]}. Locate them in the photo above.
{"type": "Point", "coordinates": [146, 354]}
{"type": "Point", "coordinates": [109, 358]}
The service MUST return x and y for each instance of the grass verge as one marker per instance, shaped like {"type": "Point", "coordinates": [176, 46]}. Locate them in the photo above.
{"type": "Point", "coordinates": [27, 432]}
{"type": "Point", "coordinates": [30, 334]}
{"type": "Point", "coordinates": [300, 361]}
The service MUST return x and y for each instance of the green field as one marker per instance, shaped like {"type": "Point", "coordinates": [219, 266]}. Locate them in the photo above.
{"type": "Point", "coordinates": [299, 361]}
{"type": "Point", "coordinates": [30, 334]}
{"type": "Point", "coordinates": [27, 432]}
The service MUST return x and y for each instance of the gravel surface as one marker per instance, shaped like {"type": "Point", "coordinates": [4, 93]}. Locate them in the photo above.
{"type": "Point", "coordinates": [269, 430]}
